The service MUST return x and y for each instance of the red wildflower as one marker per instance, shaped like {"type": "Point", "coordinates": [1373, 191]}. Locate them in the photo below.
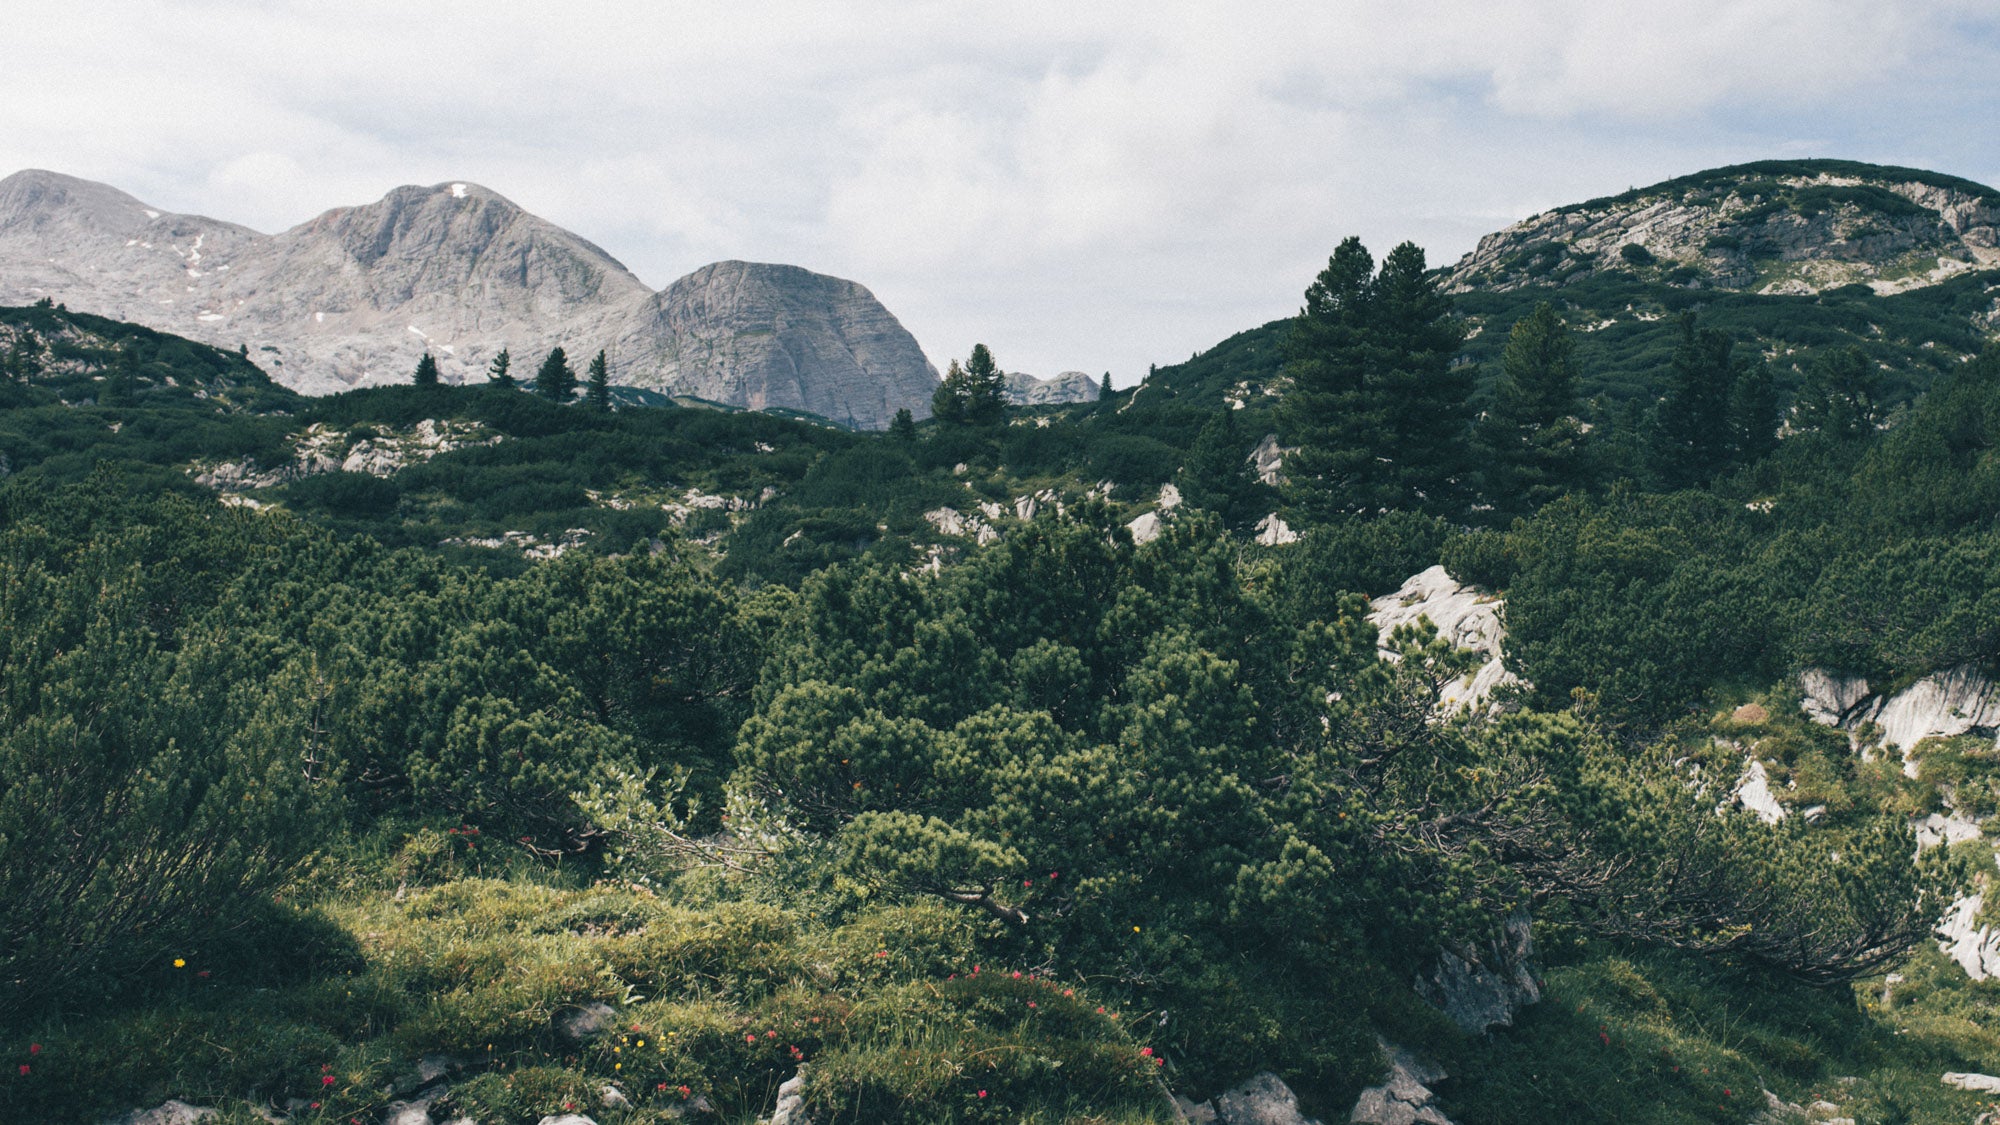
{"type": "Point", "coordinates": [326, 1080]}
{"type": "Point", "coordinates": [24, 1070]}
{"type": "Point", "coordinates": [34, 1048]}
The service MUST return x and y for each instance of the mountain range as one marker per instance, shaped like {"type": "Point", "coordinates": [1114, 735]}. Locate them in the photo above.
{"type": "Point", "coordinates": [355, 296]}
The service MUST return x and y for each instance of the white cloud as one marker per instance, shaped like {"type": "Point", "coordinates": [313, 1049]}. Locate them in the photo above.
{"type": "Point", "coordinates": [1095, 186]}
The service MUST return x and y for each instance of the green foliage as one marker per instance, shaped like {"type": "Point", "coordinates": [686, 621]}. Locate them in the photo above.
{"type": "Point", "coordinates": [427, 372]}
{"type": "Point", "coordinates": [555, 380]}
{"type": "Point", "coordinates": [1531, 440]}
{"type": "Point", "coordinates": [973, 395]}
{"type": "Point", "coordinates": [597, 394]}
{"type": "Point", "coordinates": [1375, 403]}
{"type": "Point", "coordinates": [1218, 476]}
{"type": "Point", "coordinates": [499, 373]}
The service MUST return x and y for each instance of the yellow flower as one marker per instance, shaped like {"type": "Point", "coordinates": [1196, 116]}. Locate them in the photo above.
{"type": "Point", "coordinates": [179, 963]}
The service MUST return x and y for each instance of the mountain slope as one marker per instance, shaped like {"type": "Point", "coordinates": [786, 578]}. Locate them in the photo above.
{"type": "Point", "coordinates": [354, 296]}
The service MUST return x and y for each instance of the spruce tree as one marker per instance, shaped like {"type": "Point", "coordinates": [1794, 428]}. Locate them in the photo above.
{"type": "Point", "coordinates": [1690, 439]}
{"type": "Point", "coordinates": [1530, 437]}
{"type": "Point", "coordinates": [1376, 406]}
{"type": "Point", "coordinates": [1104, 388]}
{"type": "Point", "coordinates": [903, 427]}
{"type": "Point", "coordinates": [498, 373]}
{"type": "Point", "coordinates": [597, 394]}
{"type": "Point", "coordinates": [948, 401]}
{"type": "Point", "coordinates": [1840, 397]}
{"type": "Point", "coordinates": [1217, 475]}
{"type": "Point", "coordinates": [555, 381]}
{"type": "Point", "coordinates": [427, 372]}
{"type": "Point", "coordinates": [985, 388]}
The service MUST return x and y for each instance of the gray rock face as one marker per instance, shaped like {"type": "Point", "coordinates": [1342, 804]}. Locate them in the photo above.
{"type": "Point", "coordinates": [1801, 232]}
{"type": "Point", "coordinates": [1070, 386]}
{"type": "Point", "coordinates": [1406, 1098]}
{"type": "Point", "coordinates": [1946, 704]}
{"type": "Point", "coordinates": [1263, 1100]}
{"type": "Point", "coordinates": [766, 336]}
{"type": "Point", "coordinates": [1483, 988]}
{"type": "Point", "coordinates": [582, 1023]}
{"type": "Point", "coordinates": [1465, 616]}
{"type": "Point", "coordinates": [355, 296]}
{"type": "Point", "coordinates": [168, 1113]}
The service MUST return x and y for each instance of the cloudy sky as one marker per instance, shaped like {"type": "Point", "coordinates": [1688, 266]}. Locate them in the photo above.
{"type": "Point", "coordinates": [1091, 187]}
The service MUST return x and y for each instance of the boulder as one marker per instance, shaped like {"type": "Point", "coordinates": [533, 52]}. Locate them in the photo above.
{"type": "Point", "coordinates": [1975, 947]}
{"type": "Point", "coordinates": [1263, 1100]}
{"type": "Point", "coordinates": [791, 1107]}
{"type": "Point", "coordinates": [1464, 615]}
{"type": "Point", "coordinates": [1146, 528]}
{"type": "Point", "coordinates": [1274, 532]}
{"type": "Point", "coordinates": [1977, 1083]}
{"type": "Point", "coordinates": [1406, 1098]}
{"type": "Point", "coordinates": [580, 1023]}
{"type": "Point", "coordinates": [1753, 792]}
{"type": "Point", "coordinates": [1957, 701]}
{"type": "Point", "coordinates": [1483, 988]}
{"type": "Point", "coordinates": [168, 1113]}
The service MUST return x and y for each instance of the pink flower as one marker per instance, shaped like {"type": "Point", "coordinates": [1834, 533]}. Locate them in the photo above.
{"type": "Point", "coordinates": [34, 1048]}
{"type": "Point", "coordinates": [982, 1093]}
{"type": "Point", "coordinates": [1146, 1052]}
{"type": "Point", "coordinates": [24, 1070]}
{"type": "Point", "coordinates": [326, 1080]}
{"type": "Point", "coordinates": [1017, 974]}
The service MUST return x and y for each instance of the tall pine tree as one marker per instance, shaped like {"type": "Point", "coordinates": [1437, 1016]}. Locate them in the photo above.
{"type": "Point", "coordinates": [597, 392]}
{"type": "Point", "coordinates": [985, 388]}
{"type": "Point", "coordinates": [948, 401]}
{"type": "Point", "coordinates": [1691, 439]}
{"type": "Point", "coordinates": [555, 381]}
{"type": "Point", "coordinates": [427, 372]}
{"type": "Point", "coordinates": [1530, 437]}
{"type": "Point", "coordinates": [1217, 475]}
{"type": "Point", "coordinates": [1376, 405]}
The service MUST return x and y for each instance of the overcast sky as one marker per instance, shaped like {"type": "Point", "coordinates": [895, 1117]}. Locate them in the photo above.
{"type": "Point", "coordinates": [1092, 189]}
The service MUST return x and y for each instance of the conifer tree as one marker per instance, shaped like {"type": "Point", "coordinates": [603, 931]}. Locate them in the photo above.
{"type": "Point", "coordinates": [597, 394]}
{"type": "Point", "coordinates": [1217, 476]}
{"type": "Point", "coordinates": [555, 381]}
{"type": "Point", "coordinates": [427, 372]}
{"type": "Point", "coordinates": [1376, 406]}
{"type": "Point", "coordinates": [948, 401]}
{"type": "Point", "coordinates": [498, 373]}
{"type": "Point", "coordinates": [985, 388]}
{"type": "Point", "coordinates": [1690, 439]}
{"type": "Point", "coordinates": [1530, 437]}
{"type": "Point", "coordinates": [1104, 388]}
{"type": "Point", "coordinates": [1840, 396]}
{"type": "Point", "coordinates": [904, 426]}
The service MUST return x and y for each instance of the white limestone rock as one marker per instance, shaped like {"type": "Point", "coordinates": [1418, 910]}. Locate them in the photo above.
{"type": "Point", "coordinates": [1957, 701]}
{"type": "Point", "coordinates": [1465, 616]}
{"type": "Point", "coordinates": [1262, 1100]}
{"type": "Point", "coordinates": [1976, 948]}
{"type": "Point", "coordinates": [1269, 459]}
{"type": "Point", "coordinates": [1406, 1098]}
{"type": "Point", "coordinates": [1026, 390]}
{"type": "Point", "coordinates": [1753, 792]}
{"type": "Point", "coordinates": [1145, 528]}
{"type": "Point", "coordinates": [1274, 532]}
{"type": "Point", "coordinates": [949, 521]}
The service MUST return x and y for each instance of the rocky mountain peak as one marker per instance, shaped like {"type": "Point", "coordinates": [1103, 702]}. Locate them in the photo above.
{"type": "Point", "coordinates": [1775, 227]}
{"type": "Point", "coordinates": [778, 336]}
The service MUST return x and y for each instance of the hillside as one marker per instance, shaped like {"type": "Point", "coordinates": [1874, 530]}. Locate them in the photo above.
{"type": "Point", "coordinates": [1617, 738]}
{"type": "Point", "coordinates": [353, 297]}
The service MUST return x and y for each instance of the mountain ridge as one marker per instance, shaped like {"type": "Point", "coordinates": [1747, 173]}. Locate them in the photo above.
{"type": "Point", "coordinates": [356, 294]}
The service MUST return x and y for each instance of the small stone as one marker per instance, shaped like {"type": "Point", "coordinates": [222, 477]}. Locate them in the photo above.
{"type": "Point", "coordinates": [611, 1097]}
{"type": "Point", "coordinates": [1195, 1113]}
{"type": "Point", "coordinates": [168, 1113]}
{"type": "Point", "coordinates": [582, 1023]}
{"type": "Point", "coordinates": [567, 1119]}
{"type": "Point", "coordinates": [1977, 1083]}
{"type": "Point", "coordinates": [791, 1107]}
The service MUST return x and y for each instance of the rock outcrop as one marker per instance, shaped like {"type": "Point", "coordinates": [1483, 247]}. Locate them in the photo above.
{"type": "Point", "coordinates": [356, 295]}
{"type": "Point", "coordinates": [1406, 1098]}
{"type": "Point", "coordinates": [1485, 987]}
{"type": "Point", "coordinates": [1780, 227]}
{"type": "Point", "coordinates": [1070, 386]}
{"type": "Point", "coordinates": [1465, 616]}
{"type": "Point", "coordinates": [774, 336]}
{"type": "Point", "coordinates": [1957, 701]}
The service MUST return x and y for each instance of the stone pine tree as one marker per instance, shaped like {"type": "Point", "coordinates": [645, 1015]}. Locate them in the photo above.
{"type": "Point", "coordinates": [1690, 439]}
{"type": "Point", "coordinates": [972, 395]}
{"type": "Point", "coordinates": [903, 427]}
{"type": "Point", "coordinates": [1217, 475]}
{"type": "Point", "coordinates": [1841, 396]}
{"type": "Point", "coordinates": [985, 388]}
{"type": "Point", "coordinates": [1530, 439]}
{"type": "Point", "coordinates": [499, 373]}
{"type": "Point", "coordinates": [427, 372]}
{"type": "Point", "coordinates": [948, 401]}
{"type": "Point", "coordinates": [597, 391]}
{"type": "Point", "coordinates": [1376, 405]}
{"type": "Point", "coordinates": [555, 380]}
{"type": "Point", "coordinates": [1104, 388]}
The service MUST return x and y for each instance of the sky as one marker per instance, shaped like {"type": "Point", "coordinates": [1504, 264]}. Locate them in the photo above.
{"type": "Point", "coordinates": [1096, 186]}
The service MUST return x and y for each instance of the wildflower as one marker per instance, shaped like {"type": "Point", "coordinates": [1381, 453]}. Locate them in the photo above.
{"type": "Point", "coordinates": [1146, 1052]}
{"type": "Point", "coordinates": [315, 1105]}
{"type": "Point", "coordinates": [1017, 974]}
{"type": "Point", "coordinates": [1027, 882]}
{"type": "Point", "coordinates": [1069, 992]}
{"type": "Point", "coordinates": [203, 974]}
{"type": "Point", "coordinates": [982, 1093]}
{"type": "Point", "coordinates": [326, 1080]}
{"type": "Point", "coordinates": [1135, 929]}
{"type": "Point", "coordinates": [1031, 1003]}
{"type": "Point", "coordinates": [180, 963]}
{"type": "Point", "coordinates": [1159, 1062]}
{"type": "Point", "coordinates": [34, 1048]}
{"type": "Point", "coordinates": [685, 1091]}
{"type": "Point", "coordinates": [24, 1070]}
{"type": "Point", "coordinates": [770, 1035]}
{"type": "Point", "coordinates": [750, 1038]}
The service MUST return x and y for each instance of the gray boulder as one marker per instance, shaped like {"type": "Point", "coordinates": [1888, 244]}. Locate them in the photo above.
{"type": "Point", "coordinates": [580, 1023]}
{"type": "Point", "coordinates": [168, 1113]}
{"type": "Point", "coordinates": [1263, 1100]}
{"type": "Point", "coordinates": [791, 1107]}
{"type": "Point", "coordinates": [1406, 1098]}
{"type": "Point", "coordinates": [1481, 988]}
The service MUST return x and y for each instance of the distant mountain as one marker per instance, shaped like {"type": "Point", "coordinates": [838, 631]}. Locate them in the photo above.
{"type": "Point", "coordinates": [356, 295]}
{"type": "Point", "coordinates": [1070, 386]}
{"type": "Point", "coordinates": [1778, 228]}
{"type": "Point", "coordinates": [1789, 258]}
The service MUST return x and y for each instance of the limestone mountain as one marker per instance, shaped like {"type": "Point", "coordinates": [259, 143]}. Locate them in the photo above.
{"type": "Point", "coordinates": [356, 295]}
{"type": "Point", "coordinates": [1772, 227]}
{"type": "Point", "coordinates": [1071, 386]}
{"type": "Point", "coordinates": [767, 336]}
